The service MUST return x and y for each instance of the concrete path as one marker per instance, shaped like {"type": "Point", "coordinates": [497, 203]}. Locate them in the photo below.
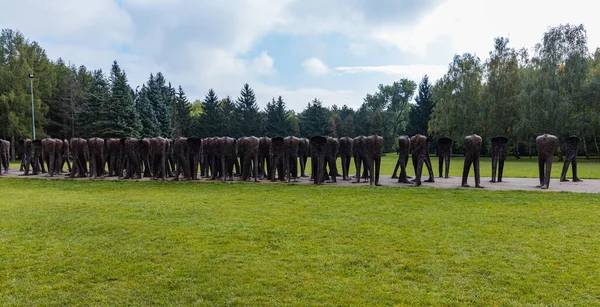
{"type": "Point", "coordinates": [524, 184]}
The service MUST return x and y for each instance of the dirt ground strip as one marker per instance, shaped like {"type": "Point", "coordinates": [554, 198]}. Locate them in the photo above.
{"type": "Point", "coordinates": [523, 184]}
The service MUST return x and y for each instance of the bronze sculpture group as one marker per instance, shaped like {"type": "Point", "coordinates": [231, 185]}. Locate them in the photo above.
{"type": "Point", "coordinates": [263, 157]}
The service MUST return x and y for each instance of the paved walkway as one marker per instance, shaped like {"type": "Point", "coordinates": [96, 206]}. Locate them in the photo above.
{"type": "Point", "coordinates": [524, 184]}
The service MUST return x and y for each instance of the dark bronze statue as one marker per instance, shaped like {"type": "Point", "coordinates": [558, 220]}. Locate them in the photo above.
{"type": "Point", "coordinates": [420, 156]}
{"type": "Point", "coordinates": [499, 144]}
{"type": "Point", "coordinates": [27, 160]}
{"type": "Point", "coordinates": [403, 153]}
{"type": "Point", "coordinates": [276, 155]}
{"type": "Point", "coordinates": [264, 160]}
{"type": "Point", "coordinates": [571, 150]}
{"type": "Point", "coordinates": [444, 146]}
{"type": "Point", "coordinates": [4, 155]}
{"type": "Point", "coordinates": [546, 144]}
{"type": "Point", "coordinates": [472, 151]}
{"type": "Point", "coordinates": [318, 146]}
{"type": "Point", "coordinates": [345, 155]}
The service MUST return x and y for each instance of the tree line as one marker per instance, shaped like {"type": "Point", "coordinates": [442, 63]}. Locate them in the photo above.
{"type": "Point", "coordinates": [556, 90]}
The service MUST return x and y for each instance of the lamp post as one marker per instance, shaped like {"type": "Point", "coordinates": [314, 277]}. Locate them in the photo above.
{"type": "Point", "coordinates": [32, 106]}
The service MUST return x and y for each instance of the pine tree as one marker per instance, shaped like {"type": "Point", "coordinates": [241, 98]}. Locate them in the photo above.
{"type": "Point", "coordinates": [250, 119]}
{"type": "Point", "coordinates": [419, 114]}
{"type": "Point", "coordinates": [122, 118]}
{"type": "Point", "coordinates": [93, 113]}
{"type": "Point", "coordinates": [277, 122]}
{"type": "Point", "coordinates": [150, 127]}
{"type": "Point", "coordinates": [231, 125]}
{"type": "Point", "coordinates": [181, 114]}
{"type": "Point", "coordinates": [314, 120]}
{"type": "Point", "coordinates": [210, 122]}
{"type": "Point", "coordinates": [347, 127]}
{"type": "Point", "coordinates": [160, 96]}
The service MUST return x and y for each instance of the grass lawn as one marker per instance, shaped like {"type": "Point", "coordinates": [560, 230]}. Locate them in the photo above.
{"type": "Point", "coordinates": [518, 168]}
{"type": "Point", "coordinates": [152, 243]}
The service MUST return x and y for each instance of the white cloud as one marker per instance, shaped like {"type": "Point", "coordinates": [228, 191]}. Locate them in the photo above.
{"type": "Point", "coordinates": [203, 44]}
{"type": "Point", "coordinates": [414, 72]}
{"type": "Point", "coordinates": [315, 67]}
{"type": "Point", "coordinates": [263, 63]}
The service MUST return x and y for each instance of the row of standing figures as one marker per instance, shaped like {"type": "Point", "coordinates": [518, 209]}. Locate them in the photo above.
{"type": "Point", "coordinates": [265, 157]}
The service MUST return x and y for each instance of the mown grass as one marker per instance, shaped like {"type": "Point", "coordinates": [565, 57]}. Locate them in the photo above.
{"type": "Point", "coordinates": [152, 243]}
{"type": "Point", "coordinates": [524, 167]}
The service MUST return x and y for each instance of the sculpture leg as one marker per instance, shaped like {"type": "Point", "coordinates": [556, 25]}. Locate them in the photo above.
{"type": "Point", "coordinates": [447, 165]}
{"type": "Point", "coordinates": [429, 169]}
{"type": "Point", "coordinates": [575, 177]}
{"type": "Point", "coordinates": [394, 176]}
{"type": "Point", "coordinates": [403, 178]}
{"type": "Point", "coordinates": [477, 174]}
{"type": "Point", "coordinates": [494, 162]}
{"type": "Point", "coordinates": [548, 171]}
{"type": "Point", "coordinates": [377, 163]}
{"type": "Point", "coordinates": [541, 163]}
{"type": "Point", "coordinates": [357, 166]}
{"type": "Point", "coordinates": [500, 169]}
{"type": "Point", "coordinates": [563, 174]}
{"type": "Point", "coordinates": [466, 169]}
{"type": "Point", "coordinates": [418, 171]}
{"type": "Point", "coordinates": [441, 164]}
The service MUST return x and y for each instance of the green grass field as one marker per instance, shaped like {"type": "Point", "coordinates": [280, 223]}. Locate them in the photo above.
{"type": "Point", "coordinates": [518, 168]}
{"type": "Point", "coordinates": [152, 243]}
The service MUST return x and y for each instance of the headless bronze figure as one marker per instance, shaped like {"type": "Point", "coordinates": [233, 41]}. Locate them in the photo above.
{"type": "Point", "coordinates": [499, 144]}
{"type": "Point", "coordinates": [403, 150]}
{"type": "Point", "coordinates": [420, 156]}
{"type": "Point", "coordinates": [572, 148]}
{"type": "Point", "coordinates": [473, 149]}
{"type": "Point", "coordinates": [444, 154]}
{"type": "Point", "coordinates": [545, 144]}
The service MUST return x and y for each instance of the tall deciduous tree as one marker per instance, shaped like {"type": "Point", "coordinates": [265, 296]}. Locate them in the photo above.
{"type": "Point", "coordinates": [458, 110]}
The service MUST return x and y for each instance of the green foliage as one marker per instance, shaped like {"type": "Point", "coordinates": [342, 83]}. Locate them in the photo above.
{"type": "Point", "coordinates": [210, 121]}
{"type": "Point", "coordinates": [458, 110]}
{"type": "Point", "coordinates": [246, 104]}
{"type": "Point", "coordinates": [231, 118]}
{"type": "Point", "coordinates": [93, 112]}
{"type": "Point", "coordinates": [150, 125]}
{"type": "Point", "coordinates": [119, 116]}
{"type": "Point", "coordinates": [314, 120]}
{"type": "Point", "coordinates": [181, 116]}
{"type": "Point", "coordinates": [150, 243]}
{"type": "Point", "coordinates": [277, 122]}
{"type": "Point", "coordinates": [418, 117]}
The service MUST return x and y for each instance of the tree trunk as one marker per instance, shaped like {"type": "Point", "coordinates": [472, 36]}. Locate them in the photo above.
{"type": "Point", "coordinates": [12, 148]}
{"type": "Point", "coordinates": [585, 151]}
{"type": "Point", "coordinates": [596, 143]}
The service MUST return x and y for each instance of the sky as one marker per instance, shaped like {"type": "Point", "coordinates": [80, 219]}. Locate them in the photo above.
{"type": "Point", "coordinates": [334, 50]}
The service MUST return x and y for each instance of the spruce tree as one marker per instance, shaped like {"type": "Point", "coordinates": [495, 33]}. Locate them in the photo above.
{"type": "Point", "coordinates": [250, 119]}
{"type": "Point", "coordinates": [277, 122]}
{"type": "Point", "coordinates": [122, 118]}
{"type": "Point", "coordinates": [181, 114]}
{"type": "Point", "coordinates": [230, 116]}
{"type": "Point", "coordinates": [211, 119]}
{"type": "Point", "coordinates": [419, 114]}
{"type": "Point", "coordinates": [93, 113]}
{"type": "Point", "coordinates": [150, 127]}
{"type": "Point", "coordinates": [160, 96]}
